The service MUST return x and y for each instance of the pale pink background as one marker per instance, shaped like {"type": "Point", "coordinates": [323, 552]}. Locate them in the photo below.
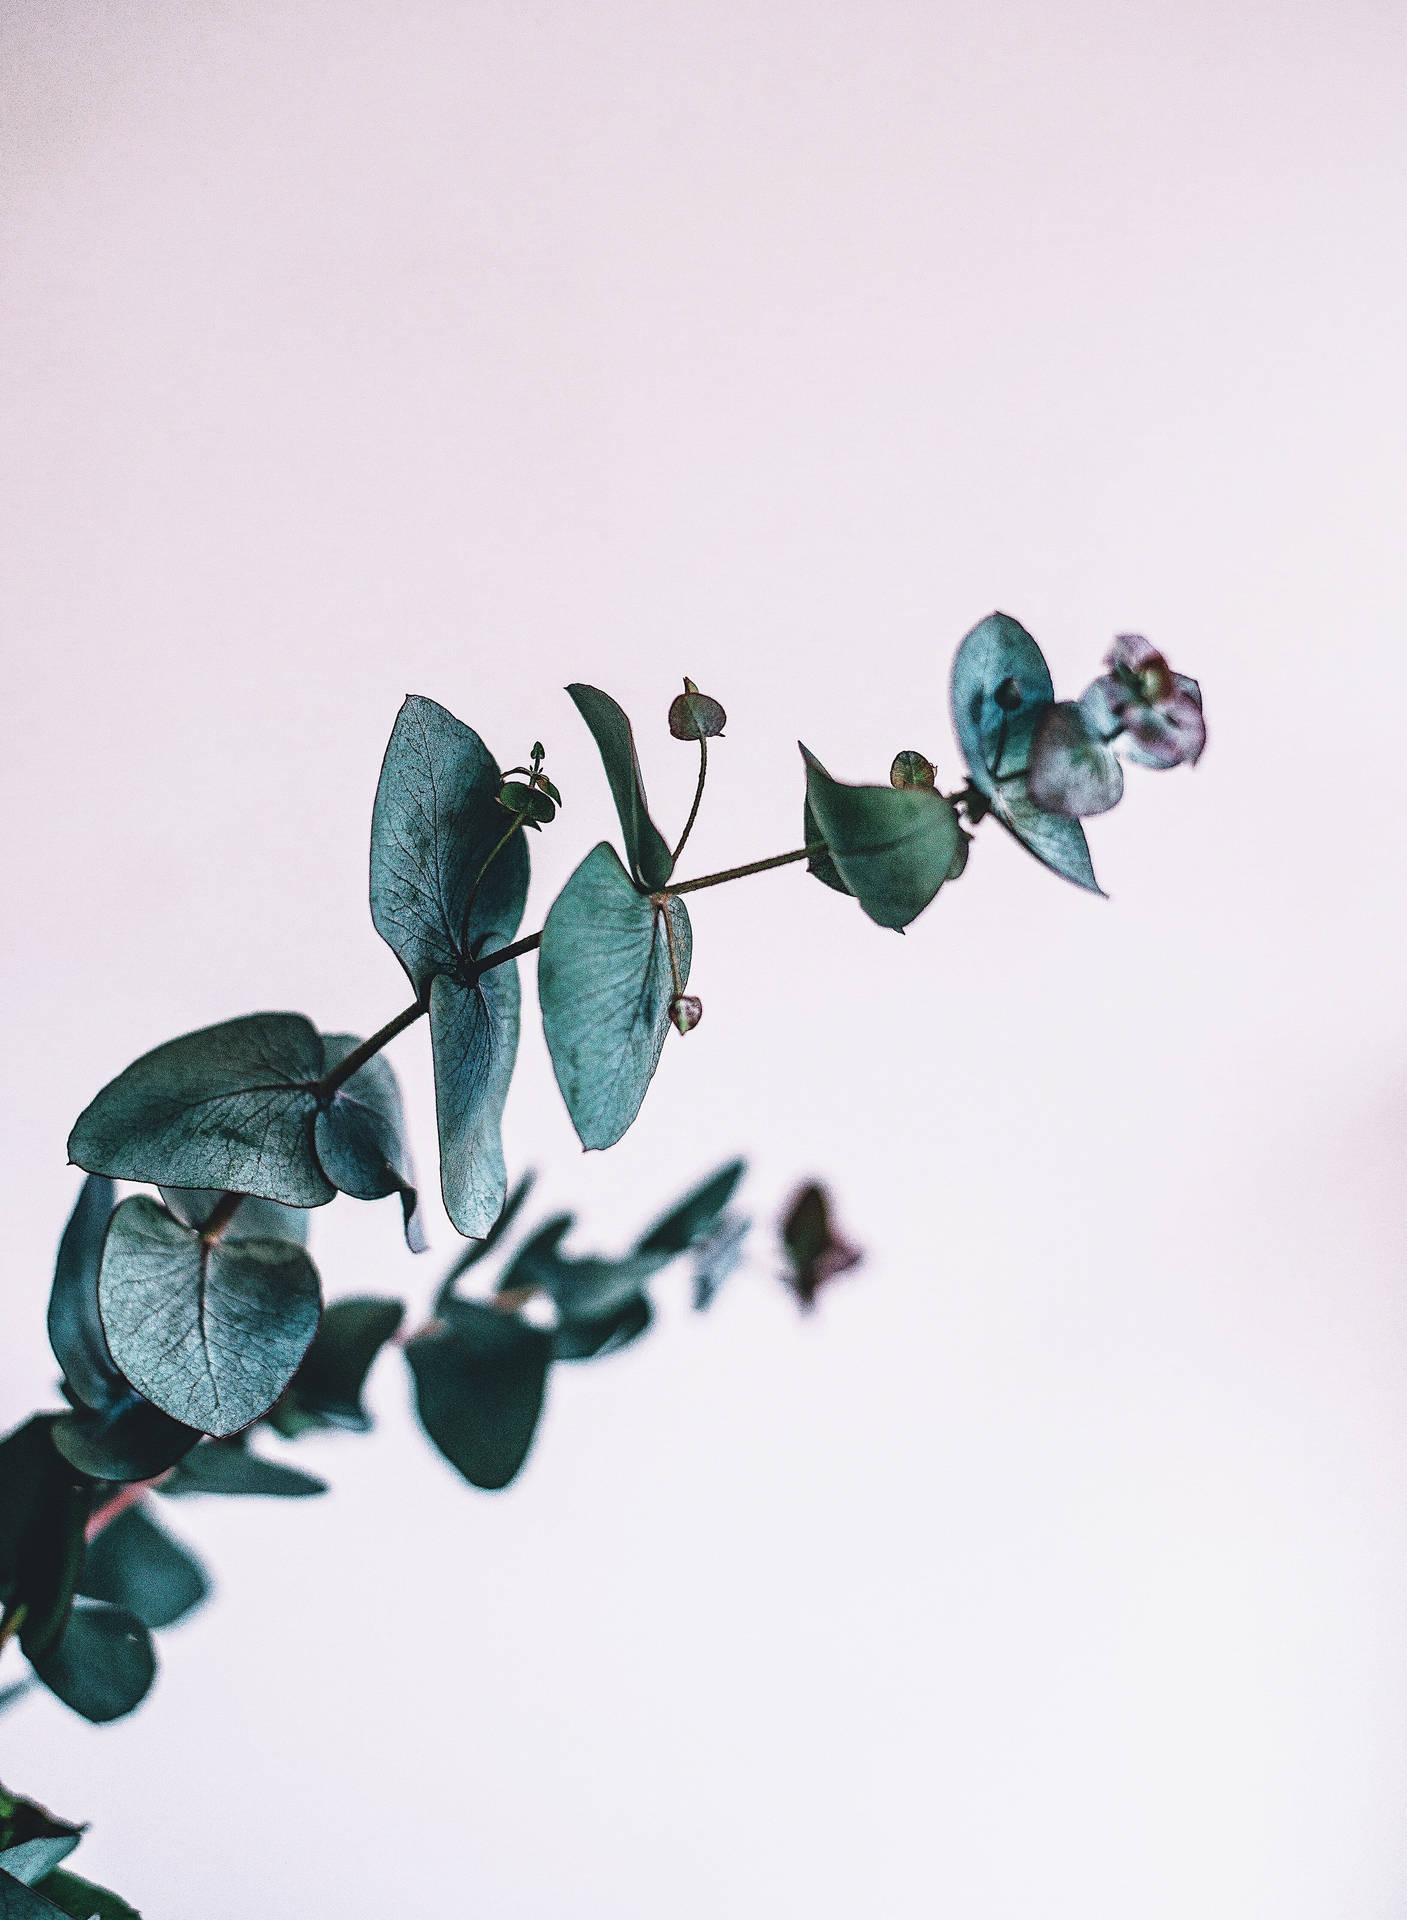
{"type": "Point", "coordinates": [1058, 1571]}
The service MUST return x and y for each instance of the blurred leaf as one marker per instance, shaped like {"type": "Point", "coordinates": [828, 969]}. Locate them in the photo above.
{"type": "Point", "coordinates": [75, 1330]}
{"type": "Point", "coordinates": [226, 1107]}
{"type": "Point", "coordinates": [474, 1033]}
{"type": "Point", "coordinates": [480, 1375]}
{"type": "Point", "coordinates": [717, 1260]}
{"type": "Point", "coordinates": [12, 1694]}
{"type": "Point", "coordinates": [24, 1824]}
{"type": "Point", "coordinates": [253, 1219]}
{"type": "Point", "coordinates": [645, 846]}
{"type": "Point", "coordinates": [995, 737]}
{"type": "Point", "coordinates": [131, 1440]}
{"type": "Point", "coordinates": [435, 823]}
{"type": "Point", "coordinates": [892, 846]}
{"type": "Point", "coordinates": [19, 1902]}
{"type": "Point", "coordinates": [104, 1664]}
{"type": "Point", "coordinates": [327, 1388]}
{"type": "Point", "coordinates": [592, 1339]}
{"type": "Point", "coordinates": [44, 1508]}
{"type": "Point", "coordinates": [605, 985]}
{"type": "Point", "coordinates": [695, 1216]}
{"type": "Point", "coordinates": [1071, 770]}
{"type": "Point", "coordinates": [30, 1860]}
{"type": "Point", "coordinates": [817, 1252]}
{"type": "Point", "coordinates": [81, 1900]}
{"type": "Point", "coordinates": [585, 1288]}
{"type": "Point", "coordinates": [210, 1334]}
{"type": "Point", "coordinates": [476, 1250]}
{"type": "Point", "coordinates": [226, 1467]}
{"type": "Point", "coordinates": [134, 1563]}
{"type": "Point", "coordinates": [360, 1135]}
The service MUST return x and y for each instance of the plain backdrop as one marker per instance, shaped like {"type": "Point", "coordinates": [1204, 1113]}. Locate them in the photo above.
{"type": "Point", "coordinates": [1057, 1568]}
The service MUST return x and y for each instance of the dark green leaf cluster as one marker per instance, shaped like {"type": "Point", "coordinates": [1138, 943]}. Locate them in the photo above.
{"type": "Point", "coordinates": [32, 1883]}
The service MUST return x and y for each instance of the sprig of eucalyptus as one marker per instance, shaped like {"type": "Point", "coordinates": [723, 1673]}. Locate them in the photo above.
{"type": "Point", "coordinates": [184, 1319]}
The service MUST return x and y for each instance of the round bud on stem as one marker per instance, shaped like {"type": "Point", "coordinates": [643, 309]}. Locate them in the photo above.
{"type": "Point", "coordinates": [694, 716]}
{"type": "Point", "coordinates": [911, 769]}
{"type": "Point", "coordinates": [1007, 695]}
{"type": "Point", "coordinates": [686, 1011]}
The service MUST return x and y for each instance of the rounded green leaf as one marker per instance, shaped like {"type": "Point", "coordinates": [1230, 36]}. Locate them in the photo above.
{"type": "Point", "coordinates": [327, 1389]}
{"type": "Point", "coordinates": [29, 1860]}
{"type": "Point", "coordinates": [226, 1467]}
{"type": "Point", "coordinates": [211, 1334]}
{"type": "Point", "coordinates": [574, 1340]}
{"type": "Point", "coordinates": [134, 1563]}
{"type": "Point", "coordinates": [605, 987]}
{"type": "Point", "coordinates": [477, 1250]}
{"type": "Point", "coordinates": [19, 1902]}
{"type": "Point", "coordinates": [228, 1107]}
{"type": "Point", "coordinates": [645, 846]}
{"type": "Point", "coordinates": [434, 826]}
{"type": "Point", "coordinates": [104, 1664]}
{"type": "Point", "coordinates": [893, 847]}
{"type": "Point", "coordinates": [1071, 770]}
{"type": "Point", "coordinates": [360, 1136]}
{"type": "Point", "coordinates": [129, 1440]}
{"type": "Point", "coordinates": [75, 1330]}
{"type": "Point", "coordinates": [474, 1037]}
{"type": "Point", "coordinates": [81, 1900]}
{"type": "Point", "coordinates": [480, 1375]}
{"type": "Point", "coordinates": [997, 658]}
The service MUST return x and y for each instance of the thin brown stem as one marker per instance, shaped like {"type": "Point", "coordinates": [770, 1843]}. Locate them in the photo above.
{"type": "Point", "coordinates": [741, 873]}
{"type": "Point", "coordinates": [358, 1057]}
{"type": "Point", "coordinates": [225, 1209]}
{"type": "Point", "coordinates": [126, 1497]}
{"type": "Point", "coordinates": [698, 797]}
{"type": "Point", "coordinates": [518, 948]}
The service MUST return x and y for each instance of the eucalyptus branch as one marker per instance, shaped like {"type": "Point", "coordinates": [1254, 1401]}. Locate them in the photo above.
{"type": "Point", "coordinates": [698, 798]}
{"type": "Point", "coordinates": [339, 1075]}
{"type": "Point", "coordinates": [741, 873]}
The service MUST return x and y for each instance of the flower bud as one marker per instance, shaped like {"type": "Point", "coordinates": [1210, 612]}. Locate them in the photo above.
{"type": "Point", "coordinates": [686, 1011]}
{"type": "Point", "coordinates": [694, 716]}
{"type": "Point", "coordinates": [911, 769]}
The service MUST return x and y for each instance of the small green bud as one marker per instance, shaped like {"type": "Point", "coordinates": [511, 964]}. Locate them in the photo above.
{"type": "Point", "coordinates": [694, 716]}
{"type": "Point", "coordinates": [911, 769]}
{"type": "Point", "coordinates": [1007, 695]}
{"type": "Point", "coordinates": [533, 806]}
{"type": "Point", "coordinates": [686, 1011]}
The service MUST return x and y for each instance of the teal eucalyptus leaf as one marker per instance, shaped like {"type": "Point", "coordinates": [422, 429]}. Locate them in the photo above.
{"type": "Point", "coordinates": [605, 986]}
{"type": "Point", "coordinates": [135, 1563]}
{"type": "Point", "coordinates": [211, 1334]}
{"type": "Point", "coordinates": [718, 1259]}
{"type": "Point", "coordinates": [474, 1034]}
{"type": "Point", "coordinates": [820, 863]}
{"type": "Point", "coordinates": [477, 1250]}
{"type": "Point", "coordinates": [75, 1330]}
{"type": "Point", "coordinates": [645, 846]}
{"type": "Point", "coordinates": [129, 1440]}
{"type": "Point", "coordinates": [435, 824]}
{"type": "Point", "coordinates": [227, 1468]}
{"type": "Point", "coordinates": [694, 1217]}
{"type": "Point", "coordinates": [44, 1508]}
{"type": "Point", "coordinates": [253, 1219]}
{"type": "Point", "coordinates": [29, 1860]}
{"type": "Point", "coordinates": [583, 1288]}
{"type": "Point", "coordinates": [1000, 687]}
{"type": "Point", "coordinates": [327, 1389]}
{"type": "Point", "coordinates": [19, 1902]}
{"type": "Point", "coordinates": [24, 1823]}
{"type": "Point", "coordinates": [592, 1339]}
{"type": "Point", "coordinates": [81, 1900]}
{"type": "Point", "coordinates": [228, 1107]}
{"type": "Point", "coordinates": [360, 1136]}
{"type": "Point", "coordinates": [893, 847]}
{"type": "Point", "coordinates": [480, 1375]}
{"type": "Point", "coordinates": [104, 1663]}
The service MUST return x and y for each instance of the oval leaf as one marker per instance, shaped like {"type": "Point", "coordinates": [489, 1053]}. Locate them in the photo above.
{"type": "Point", "coordinates": [999, 656]}
{"type": "Point", "coordinates": [645, 846]}
{"type": "Point", "coordinates": [480, 1375]}
{"type": "Point", "coordinates": [605, 985]}
{"type": "Point", "coordinates": [229, 1107]}
{"type": "Point", "coordinates": [327, 1389]}
{"type": "Point", "coordinates": [134, 1563]}
{"type": "Point", "coordinates": [474, 1036]}
{"type": "Point", "coordinates": [75, 1330]}
{"type": "Point", "coordinates": [210, 1334]}
{"type": "Point", "coordinates": [435, 823]}
{"type": "Point", "coordinates": [81, 1900]}
{"type": "Point", "coordinates": [893, 847]}
{"type": "Point", "coordinates": [360, 1136]}
{"type": "Point", "coordinates": [130, 1440]}
{"type": "Point", "coordinates": [226, 1467]}
{"type": "Point", "coordinates": [19, 1902]}
{"type": "Point", "coordinates": [103, 1666]}
{"type": "Point", "coordinates": [694, 1217]}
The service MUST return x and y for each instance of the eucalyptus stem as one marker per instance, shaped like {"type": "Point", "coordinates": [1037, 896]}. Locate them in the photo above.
{"type": "Point", "coordinates": [741, 873]}
{"type": "Point", "coordinates": [496, 959]}
{"type": "Point", "coordinates": [358, 1057]}
{"type": "Point", "coordinates": [224, 1210]}
{"type": "Point", "coordinates": [698, 796]}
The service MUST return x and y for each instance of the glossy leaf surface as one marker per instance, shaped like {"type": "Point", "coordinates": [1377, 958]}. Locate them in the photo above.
{"type": "Point", "coordinates": [434, 825]}
{"type": "Point", "coordinates": [605, 985]}
{"type": "Point", "coordinates": [360, 1135]}
{"type": "Point", "coordinates": [228, 1107]}
{"type": "Point", "coordinates": [480, 1375]}
{"type": "Point", "coordinates": [104, 1664]}
{"type": "Point", "coordinates": [210, 1334]}
{"type": "Point", "coordinates": [999, 655]}
{"type": "Point", "coordinates": [136, 1564]}
{"type": "Point", "coordinates": [646, 849]}
{"type": "Point", "coordinates": [893, 847]}
{"type": "Point", "coordinates": [474, 1034]}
